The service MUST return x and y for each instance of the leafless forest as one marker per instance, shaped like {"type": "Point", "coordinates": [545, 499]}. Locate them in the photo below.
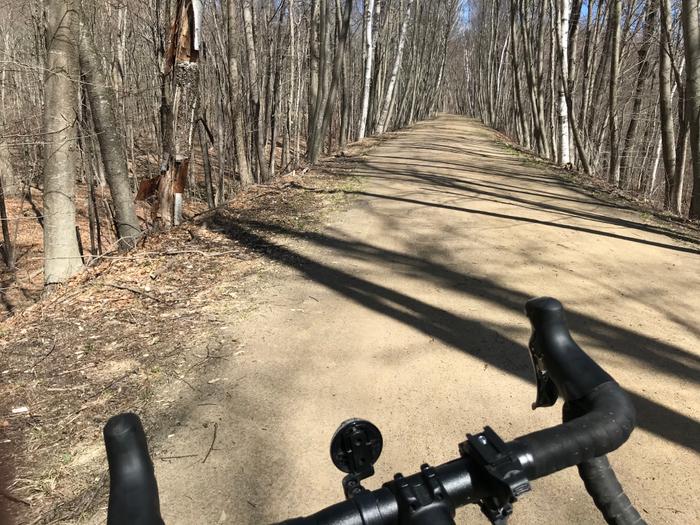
{"type": "Point", "coordinates": [130, 113]}
{"type": "Point", "coordinates": [607, 86]}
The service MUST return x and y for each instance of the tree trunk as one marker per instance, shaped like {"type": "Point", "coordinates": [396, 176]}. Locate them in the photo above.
{"type": "Point", "coordinates": [319, 133]}
{"type": "Point", "coordinates": [564, 155]}
{"type": "Point", "coordinates": [345, 100]}
{"type": "Point", "coordinates": [614, 164]}
{"type": "Point", "coordinates": [571, 120]}
{"type": "Point", "coordinates": [642, 73]}
{"type": "Point", "coordinates": [109, 136]}
{"type": "Point", "coordinates": [275, 69]}
{"type": "Point", "coordinates": [384, 115]}
{"type": "Point", "coordinates": [533, 77]}
{"type": "Point", "coordinates": [61, 251]}
{"type": "Point", "coordinates": [314, 62]}
{"type": "Point", "coordinates": [204, 145]}
{"type": "Point", "coordinates": [377, 84]}
{"type": "Point", "coordinates": [8, 251]}
{"type": "Point", "coordinates": [691, 35]}
{"type": "Point", "coordinates": [316, 133]}
{"type": "Point", "coordinates": [524, 121]}
{"type": "Point", "coordinates": [259, 132]}
{"type": "Point", "coordinates": [368, 55]}
{"type": "Point", "coordinates": [236, 101]}
{"type": "Point", "coordinates": [291, 118]}
{"type": "Point", "coordinates": [666, 102]}
{"type": "Point", "coordinates": [180, 63]}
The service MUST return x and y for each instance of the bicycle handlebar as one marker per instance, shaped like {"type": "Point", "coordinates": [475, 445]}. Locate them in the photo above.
{"type": "Point", "coordinates": [598, 418]}
{"type": "Point", "coordinates": [133, 490]}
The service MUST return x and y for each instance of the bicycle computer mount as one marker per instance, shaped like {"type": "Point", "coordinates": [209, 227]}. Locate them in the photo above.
{"type": "Point", "coordinates": [357, 445]}
{"type": "Point", "coordinates": [355, 448]}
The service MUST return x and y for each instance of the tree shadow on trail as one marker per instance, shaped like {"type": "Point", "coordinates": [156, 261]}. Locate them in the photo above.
{"type": "Point", "coordinates": [466, 334]}
{"type": "Point", "coordinates": [443, 184]}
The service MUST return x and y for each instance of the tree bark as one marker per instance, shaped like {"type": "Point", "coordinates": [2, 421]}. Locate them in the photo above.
{"type": "Point", "coordinates": [384, 115]}
{"type": "Point", "coordinates": [109, 133]}
{"type": "Point", "coordinates": [571, 120]}
{"type": "Point", "coordinates": [314, 62]}
{"type": "Point", "coordinates": [642, 73]}
{"type": "Point", "coordinates": [236, 101]}
{"type": "Point", "coordinates": [564, 155]}
{"type": "Point", "coordinates": [204, 145]}
{"type": "Point", "coordinates": [533, 78]}
{"type": "Point", "coordinates": [524, 121]}
{"type": "Point", "coordinates": [62, 257]}
{"type": "Point", "coordinates": [8, 251]}
{"type": "Point", "coordinates": [614, 164]}
{"type": "Point", "coordinates": [368, 55]}
{"type": "Point", "coordinates": [346, 100]}
{"type": "Point", "coordinates": [259, 132]}
{"type": "Point", "coordinates": [319, 133]}
{"type": "Point", "coordinates": [666, 103]}
{"type": "Point", "coordinates": [691, 35]}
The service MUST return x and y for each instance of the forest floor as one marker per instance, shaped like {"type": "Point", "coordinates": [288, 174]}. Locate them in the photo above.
{"type": "Point", "coordinates": [389, 285]}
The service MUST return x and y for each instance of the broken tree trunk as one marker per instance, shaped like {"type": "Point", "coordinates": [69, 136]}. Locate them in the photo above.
{"type": "Point", "coordinates": [181, 62]}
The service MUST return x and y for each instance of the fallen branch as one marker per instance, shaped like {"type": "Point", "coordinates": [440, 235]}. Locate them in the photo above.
{"type": "Point", "coordinates": [14, 499]}
{"type": "Point", "coordinates": [165, 458]}
{"type": "Point", "coordinates": [139, 292]}
{"type": "Point", "coordinates": [186, 382]}
{"type": "Point", "coordinates": [109, 385]}
{"type": "Point", "coordinates": [211, 447]}
{"type": "Point", "coordinates": [45, 356]}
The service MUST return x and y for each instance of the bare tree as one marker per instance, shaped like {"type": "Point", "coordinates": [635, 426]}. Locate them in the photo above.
{"type": "Point", "coordinates": [259, 131]}
{"type": "Point", "coordinates": [109, 136]}
{"type": "Point", "coordinates": [621, 123]}
{"type": "Point", "coordinates": [564, 156]}
{"type": "Point", "coordinates": [642, 74]}
{"type": "Point", "coordinates": [615, 7]}
{"type": "Point", "coordinates": [235, 95]}
{"type": "Point", "coordinates": [389, 97]}
{"type": "Point", "coordinates": [368, 55]}
{"type": "Point", "coordinates": [691, 33]}
{"type": "Point", "coordinates": [8, 251]}
{"type": "Point", "coordinates": [268, 92]}
{"type": "Point", "coordinates": [61, 252]}
{"type": "Point", "coordinates": [666, 104]}
{"type": "Point", "coordinates": [325, 111]}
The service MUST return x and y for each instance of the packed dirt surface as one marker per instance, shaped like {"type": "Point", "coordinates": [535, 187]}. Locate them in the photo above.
{"type": "Point", "coordinates": [406, 308]}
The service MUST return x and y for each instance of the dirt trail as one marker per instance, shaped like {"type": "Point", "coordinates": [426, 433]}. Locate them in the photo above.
{"type": "Point", "coordinates": [406, 309]}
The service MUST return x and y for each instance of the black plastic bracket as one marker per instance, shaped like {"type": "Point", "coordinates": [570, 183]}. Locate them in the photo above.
{"type": "Point", "coordinates": [501, 470]}
{"type": "Point", "coordinates": [422, 499]}
{"type": "Point", "coordinates": [355, 448]}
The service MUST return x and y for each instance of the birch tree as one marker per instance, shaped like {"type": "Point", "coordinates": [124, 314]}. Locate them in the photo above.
{"type": "Point", "coordinates": [564, 156]}
{"type": "Point", "coordinates": [389, 96]}
{"type": "Point", "coordinates": [622, 123]}
{"type": "Point", "coordinates": [368, 55]}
